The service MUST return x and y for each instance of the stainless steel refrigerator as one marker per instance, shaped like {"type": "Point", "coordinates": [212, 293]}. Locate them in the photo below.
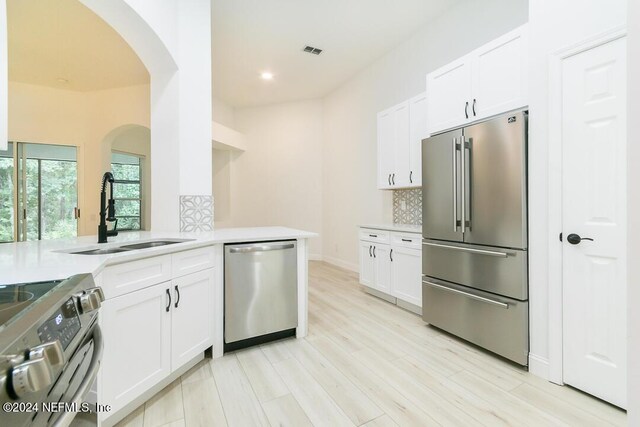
{"type": "Point", "coordinates": [474, 227]}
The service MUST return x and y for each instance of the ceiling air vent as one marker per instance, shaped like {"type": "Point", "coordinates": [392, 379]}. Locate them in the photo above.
{"type": "Point", "coordinates": [313, 50]}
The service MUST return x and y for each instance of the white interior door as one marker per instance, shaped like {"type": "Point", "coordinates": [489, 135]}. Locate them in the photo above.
{"type": "Point", "coordinates": [594, 206]}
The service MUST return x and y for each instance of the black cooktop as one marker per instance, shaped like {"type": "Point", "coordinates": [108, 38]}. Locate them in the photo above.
{"type": "Point", "coordinates": [17, 297]}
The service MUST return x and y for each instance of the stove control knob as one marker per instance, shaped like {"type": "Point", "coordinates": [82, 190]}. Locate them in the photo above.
{"type": "Point", "coordinates": [29, 377]}
{"type": "Point", "coordinates": [91, 299]}
{"type": "Point", "coordinates": [51, 351]}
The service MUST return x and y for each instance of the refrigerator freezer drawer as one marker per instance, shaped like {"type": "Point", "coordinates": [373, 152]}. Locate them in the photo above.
{"type": "Point", "coordinates": [496, 270]}
{"type": "Point", "coordinates": [496, 323]}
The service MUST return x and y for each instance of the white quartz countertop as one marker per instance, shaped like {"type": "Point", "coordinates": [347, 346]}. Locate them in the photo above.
{"type": "Point", "coordinates": [41, 260]}
{"type": "Point", "coordinates": [404, 228]}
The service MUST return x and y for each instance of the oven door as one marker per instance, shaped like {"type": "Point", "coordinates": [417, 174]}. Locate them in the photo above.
{"type": "Point", "coordinates": [75, 382]}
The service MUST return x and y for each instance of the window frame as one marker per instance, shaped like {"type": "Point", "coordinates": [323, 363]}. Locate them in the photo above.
{"type": "Point", "coordinates": [139, 182]}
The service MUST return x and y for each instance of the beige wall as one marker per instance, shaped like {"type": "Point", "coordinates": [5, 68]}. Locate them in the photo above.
{"type": "Point", "coordinates": [277, 181]}
{"type": "Point", "coordinates": [350, 196]}
{"type": "Point", "coordinates": [83, 119]}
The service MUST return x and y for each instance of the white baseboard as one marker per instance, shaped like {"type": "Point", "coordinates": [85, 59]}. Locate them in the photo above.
{"type": "Point", "coordinates": [315, 257]}
{"type": "Point", "coordinates": [343, 264]}
{"type": "Point", "coordinates": [539, 366]}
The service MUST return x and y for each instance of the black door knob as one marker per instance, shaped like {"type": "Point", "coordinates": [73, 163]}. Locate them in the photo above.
{"type": "Point", "coordinates": [575, 239]}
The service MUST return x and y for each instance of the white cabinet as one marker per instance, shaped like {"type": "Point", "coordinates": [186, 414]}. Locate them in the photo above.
{"type": "Point", "coordinates": [449, 94]}
{"type": "Point", "coordinates": [157, 317]}
{"type": "Point", "coordinates": [137, 336]}
{"type": "Point", "coordinates": [406, 266]}
{"type": "Point", "coordinates": [417, 132]}
{"type": "Point", "coordinates": [375, 268]}
{"type": "Point", "coordinates": [400, 131]}
{"type": "Point", "coordinates": [393, 267]}
{"type": "Point", "coordinates": [488, 81]}
{"type": "Point", "coordinates": [500, 75]}
{"type": "Point", "coordinates": [367, 264]}
{"type": "Point", "coordinates": [386, 151]}
{"type": "Point", "coordinates": [191, 317]}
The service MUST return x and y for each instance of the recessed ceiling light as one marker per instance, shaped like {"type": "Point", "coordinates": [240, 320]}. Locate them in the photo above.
{"type": "Point", "coordinates": [62, 81]}
{"type": "Point", "coordinates": [266, 76]}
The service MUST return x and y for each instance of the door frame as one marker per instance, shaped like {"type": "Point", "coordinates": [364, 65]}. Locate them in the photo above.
{"type": "Point", "coordinates": [555, 145]}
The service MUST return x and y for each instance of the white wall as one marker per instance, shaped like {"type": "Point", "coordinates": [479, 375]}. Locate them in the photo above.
{"type": "Point", "coordinates": [83, 119]}
{"type": "Point", "coordinates": [278, 180]}
{"type": "Point", "coordinates": [552, 25]}
{"type": "Point", "coordinates": [223, 113]}
{"type": "Point", "coordinates": [633, 152]}
{"type": "Point", "coordinates": [349, 148]}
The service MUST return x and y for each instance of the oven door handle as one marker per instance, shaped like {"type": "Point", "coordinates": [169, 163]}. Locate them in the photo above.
{"type": "Point", "coordinates": [92, 372]}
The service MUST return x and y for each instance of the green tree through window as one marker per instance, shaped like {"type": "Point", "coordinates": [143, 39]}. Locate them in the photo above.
{"type": "Point", "coordinates": [127, 190]}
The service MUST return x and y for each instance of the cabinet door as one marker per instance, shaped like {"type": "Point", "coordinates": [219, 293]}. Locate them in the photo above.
{"type": "Point", "coordinates": [137, 336]}
{"type": "Point", "coordinates": [402, 163]}
{"type": "Point", "coordinates": [192, 316]}
{"type": "Point", "coordinates": [406, 267]}
{"type": "Point", "coordinates": [383, 268]}
{"type": "Point", "coordinates": [417, 132]}
{"type": "Point", "coordinates": [367, 266]}
{"type": "Point", "coordinates": [449, 90]}
{"type": "Point", "coordinates": [386, 152]}
{"type": "Point", "coordinates": [500, 75]}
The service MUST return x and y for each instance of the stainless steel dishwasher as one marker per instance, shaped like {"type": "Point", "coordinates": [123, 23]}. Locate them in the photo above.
{"type": "Point", "coordinates": [260, 292]}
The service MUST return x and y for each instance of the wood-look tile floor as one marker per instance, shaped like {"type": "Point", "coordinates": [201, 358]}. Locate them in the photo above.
{"type": "Point", "coordinates": [366, 363]}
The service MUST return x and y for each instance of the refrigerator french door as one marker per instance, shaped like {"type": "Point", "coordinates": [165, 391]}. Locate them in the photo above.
{"type": "Point", "coordinates": [475, 234]}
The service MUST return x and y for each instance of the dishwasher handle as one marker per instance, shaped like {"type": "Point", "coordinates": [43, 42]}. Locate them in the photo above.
{"type": "Point", "coordinates": [260, 248]}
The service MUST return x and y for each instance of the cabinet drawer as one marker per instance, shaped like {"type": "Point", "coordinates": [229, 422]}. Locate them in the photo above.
{"type": "Point", "coordinates": [496, 323]}
{"type": "Point", "coordinates": [123, 278]}
{"type": "Point", "coordinates": [409, 240]}
{"type": "Point", "coordinates": [188, 262]}
{"type": "Point", "coordinates": [373, 235]}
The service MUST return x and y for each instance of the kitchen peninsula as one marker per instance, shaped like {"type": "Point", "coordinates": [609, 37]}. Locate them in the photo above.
{"type": "Point", "coordinates": [164, 305]}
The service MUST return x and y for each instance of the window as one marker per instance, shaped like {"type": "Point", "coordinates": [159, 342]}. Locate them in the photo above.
{"type": "Point", "coordinates": [127, 190]}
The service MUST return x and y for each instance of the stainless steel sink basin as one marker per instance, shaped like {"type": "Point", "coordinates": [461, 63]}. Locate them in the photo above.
{"type": "Point", "coordinates": [100, 251]}
{"type": "Point", "coordinates": [152, 244]}
{"type": "Point", "coordinates": [129, 247]}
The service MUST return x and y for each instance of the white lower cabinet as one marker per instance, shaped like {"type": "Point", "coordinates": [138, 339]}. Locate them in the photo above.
{"type": "Point", "coordinates": [191, 317]}
{"type": "Point", "coordinates": [137, 335]}
{"type": "Point", "coordinates": [393, 268]}
{"type": "Point", "coordinates": [407, 273]}
{"type": "Point", "coordinates": [152, 332]}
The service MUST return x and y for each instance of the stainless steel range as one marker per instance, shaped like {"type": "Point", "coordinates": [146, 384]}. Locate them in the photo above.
{"type": "Point", "coordinates": [50, 350]}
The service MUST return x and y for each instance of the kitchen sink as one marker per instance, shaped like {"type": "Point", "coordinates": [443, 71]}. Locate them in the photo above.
{"type": "Point", "coordinates": [100, 251]}
{"type": "Point", "coordinates": [151, 244]}
{"type": "Point", "coordinates": [129, 247]}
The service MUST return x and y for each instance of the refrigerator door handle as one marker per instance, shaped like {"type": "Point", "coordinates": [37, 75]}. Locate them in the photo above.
{"type": "Point", "coordinates": [466, 209]}
{"type": "Point", "coordinates": [471, 250]}
{"type": "Point", "coordinates": [454, 155]}
{"type": "Point", "coordinates": [463, 185]}
{"type": "Point", "coordinates": [467, 294]}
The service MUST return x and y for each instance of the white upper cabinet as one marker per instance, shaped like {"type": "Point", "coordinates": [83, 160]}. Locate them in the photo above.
{"type": "Point", "coordinates": [400, 131]}
{"type": "Point", "coordinates": [386, 151]}
{"type": "Point", "coordinates": [449, 91]}
{"type": "Point", "coordinates": [488, 81]}
{"type": "Point", "coordinates": [400, 173]}
{"type": "Point", "coordinates": [417, 132]}
{"type": "Point", "coordinates": [500, 75]}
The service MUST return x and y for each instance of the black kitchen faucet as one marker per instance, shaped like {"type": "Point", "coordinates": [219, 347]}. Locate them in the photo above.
{"type": "Point", "coordinates": [107, 213]}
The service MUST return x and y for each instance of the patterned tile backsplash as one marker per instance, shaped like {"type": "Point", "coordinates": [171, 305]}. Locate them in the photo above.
{"type": "Point", "coordinates": [407, 206]}
{"type": "Point", "coordinates": [196, 213]}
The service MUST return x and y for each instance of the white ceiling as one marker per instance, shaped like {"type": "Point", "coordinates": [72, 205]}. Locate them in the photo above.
{"type": "Point", "coordinates": [252, 36]}
{"type": "Point", "coordinates": [62, 39]}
